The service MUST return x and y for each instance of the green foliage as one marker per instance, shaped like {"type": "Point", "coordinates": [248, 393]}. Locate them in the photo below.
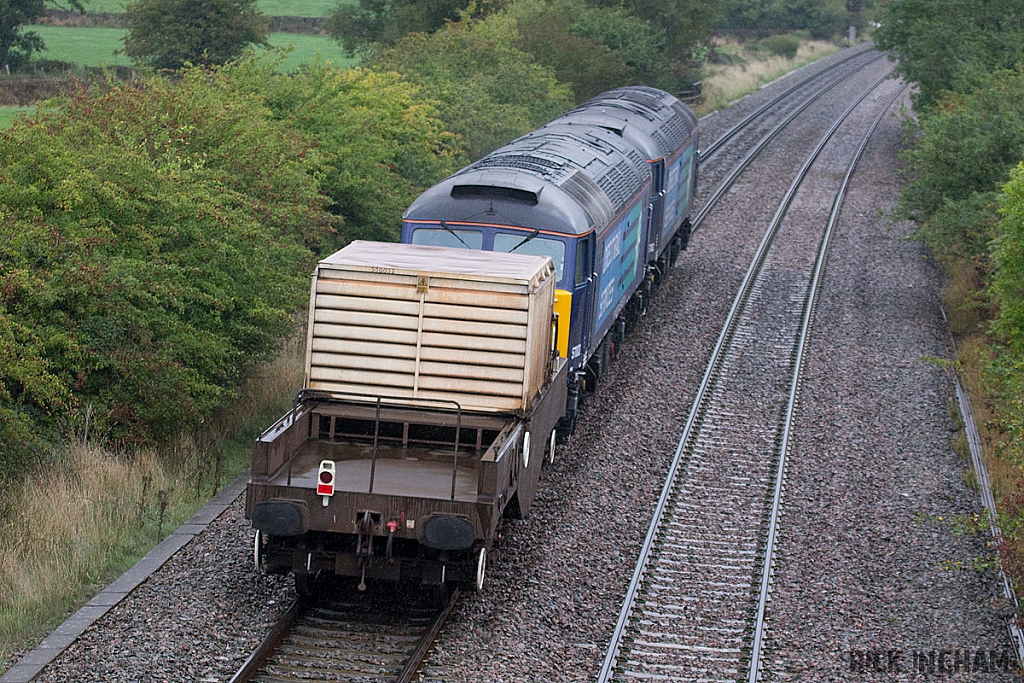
{"type": "Point", "coordinates": [358, 26]}
{"type": "Point", "coordinates": [488, 91]}
{"type": "Point", "coordinates": [686, 23]}
{"type": "Point", "coordinates": [379, 146]}
{"type": "Point", "coordinates": [592, 49]}
{"type": "Point", "coordinates": [782, 45]}
{"type": "Point", "coordinates": [823, 19]}
{"type": "Point", "coordinates": [960, 154]}
{"type": "Point", "coordinates": [8, 114]}
{"type": "Point", "coordinates": [156, 241]}
{"type": "Point", "coordinates": [17, 44]}
{"type": "Point", "coordinates": [1007, 287]}
{"type": "Point", "coordinates": [951, 45]}
{"type": "Point", "coordinates": [167, 34]}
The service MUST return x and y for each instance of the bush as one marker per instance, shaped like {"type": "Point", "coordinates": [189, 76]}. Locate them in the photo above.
{"type": "Point", "coordinates": [782, 46]}
{"type": "Point", "coordinates": [379, 144]}
{"type": "Point", "coordinates": [960, 154]}
{"type": "Point", "coordinates": [488, 91]}
{"type": "Point", "coordinates": [158, 241]}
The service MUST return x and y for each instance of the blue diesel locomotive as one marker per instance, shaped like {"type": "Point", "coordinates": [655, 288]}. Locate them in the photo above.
{"type": "Point", "coordinates": [606, 190]}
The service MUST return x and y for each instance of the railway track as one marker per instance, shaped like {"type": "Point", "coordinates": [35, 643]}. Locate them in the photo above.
{"type": "Point", "coordinates": [834, 74]}
{"type": "Point", "coordinates": [783, 109]}
{"type": "Point", "coordinates": [696, 606]}
{"type": "Point", "coordinates": [325, 643]}
{"type": "Point", "coordinates": [349, 637]}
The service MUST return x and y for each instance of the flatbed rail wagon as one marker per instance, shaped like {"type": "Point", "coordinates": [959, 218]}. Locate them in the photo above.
{"type": "Point", "coordinates": [431, 397]}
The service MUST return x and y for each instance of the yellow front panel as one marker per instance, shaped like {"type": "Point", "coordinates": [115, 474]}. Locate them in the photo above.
{"type": "Point", "coordinates": [563, 309]}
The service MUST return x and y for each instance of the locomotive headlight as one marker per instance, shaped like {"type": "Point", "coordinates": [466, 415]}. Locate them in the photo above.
{"type": "Point", "coordinates": [325, 480]}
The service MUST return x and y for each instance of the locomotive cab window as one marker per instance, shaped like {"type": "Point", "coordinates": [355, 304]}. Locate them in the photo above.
{"type": "Point", "coordinates": [523, 243]}
{"type": "Point", "coordinates": [453, 239]}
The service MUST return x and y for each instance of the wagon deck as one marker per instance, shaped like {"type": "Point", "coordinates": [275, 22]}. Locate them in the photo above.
{"type": "Point", "coordinates": [394, 471]}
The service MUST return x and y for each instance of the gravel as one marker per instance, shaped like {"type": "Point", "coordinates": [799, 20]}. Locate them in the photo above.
{"type": "Point", "coordinates": [867, 566]}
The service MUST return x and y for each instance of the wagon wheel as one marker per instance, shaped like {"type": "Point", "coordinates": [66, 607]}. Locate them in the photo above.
{"type": "Point", "coordinates": [481, 569]}
{"type": "Point", "coordinates": [257, 552]}
{"type": "Point", "coordinates": [550, 455]}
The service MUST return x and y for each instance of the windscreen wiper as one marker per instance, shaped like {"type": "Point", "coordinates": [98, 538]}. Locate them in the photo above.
{"type": "Point", "coordinates": [455, 235]}
{"type": "Point", "coordinates": [536, 231]}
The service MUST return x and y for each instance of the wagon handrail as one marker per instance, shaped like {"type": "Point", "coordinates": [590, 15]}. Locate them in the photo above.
{"type": "Point", "coordinates": [312, 395]}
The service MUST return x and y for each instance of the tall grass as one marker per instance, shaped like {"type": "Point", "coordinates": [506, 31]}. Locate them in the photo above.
{"type": "Point", "coordinates": [71, 527]}
{"type": "Point", "coordinates": [969, 316]}
{"type": "Point", "coordinates": [76, 524]}
{"type": "Point", "coordinates": [750, 70]}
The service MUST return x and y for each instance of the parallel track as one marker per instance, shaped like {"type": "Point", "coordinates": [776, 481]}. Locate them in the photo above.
{"type": "Point", "coordinates": [756, 148]}
{"type": "Point", "coordinates": [833, 74]}
{"type": "Point", "coordinates": [695, 608]}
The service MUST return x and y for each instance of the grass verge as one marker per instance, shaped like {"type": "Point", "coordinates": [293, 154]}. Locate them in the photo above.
{"type": "Point", "coordinates": [88, 515]}
{"type": "Point", "coordinates": [969, 318]}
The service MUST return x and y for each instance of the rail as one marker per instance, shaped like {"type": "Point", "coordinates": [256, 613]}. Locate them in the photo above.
{"type": "Point", "coordinates": [636, 593]}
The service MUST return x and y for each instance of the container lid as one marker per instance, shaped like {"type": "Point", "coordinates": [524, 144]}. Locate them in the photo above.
{"type": "Point", "coordinates": [417, 259]}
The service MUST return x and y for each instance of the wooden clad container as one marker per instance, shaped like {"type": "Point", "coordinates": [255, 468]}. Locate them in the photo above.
{"type": "Point", "coordinates": [415, 322]}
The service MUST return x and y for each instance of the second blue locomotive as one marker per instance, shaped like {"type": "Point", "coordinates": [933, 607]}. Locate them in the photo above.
{"type": "Point", "coordinates": [606, 190]}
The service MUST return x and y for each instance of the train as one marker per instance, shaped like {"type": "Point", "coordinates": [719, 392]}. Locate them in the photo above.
{"type": "Point", "coordinates": [442, 371]}
{"type": "Point", "coordinates": [606, 190]}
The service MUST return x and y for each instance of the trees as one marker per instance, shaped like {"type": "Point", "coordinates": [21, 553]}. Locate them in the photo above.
{"type": "Point", "coordinates": [378, 144]}
{"type": "Point", "coordinates": [16, 44]}
{"type": "Point", "coordinates": [166, 34]}
{"type": "Point", "coordinates": [950, 45]}
{"type": "Point", "coordinates": [821, 18]}
{"type": "Point", "coordinates": [488, 91]}
{"type": "Point", "coordinates": [965, 150]}
{"type": "Point", "coordinates": [371, 22]}
{"type": "Point", "coordinates": [154, 242]}
{"type": "Point", "coordinates": [591, 48]}
{"type": "Point", "coordinates": [687, 23]}
{"type": "Point", "coordinates": [1007, 287]}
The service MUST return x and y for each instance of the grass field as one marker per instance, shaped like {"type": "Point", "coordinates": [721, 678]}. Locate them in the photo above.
{"type": "Point", "coordinates": [7, 115]}
{"type": "Point", "coordinates": [94, 46]}
{"type": "Point", "coordinates": [272, 8]}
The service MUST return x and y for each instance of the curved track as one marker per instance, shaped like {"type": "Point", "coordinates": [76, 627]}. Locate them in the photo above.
{"type": "Point", "coordinates": [695, 607]}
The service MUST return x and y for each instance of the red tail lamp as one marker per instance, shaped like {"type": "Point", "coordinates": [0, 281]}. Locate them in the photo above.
{"type": "Point", "coordinates": [325, 479]}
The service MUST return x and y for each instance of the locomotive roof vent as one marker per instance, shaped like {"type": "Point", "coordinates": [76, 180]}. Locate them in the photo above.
{"type": "Point", "coordinates": [495, 192]}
